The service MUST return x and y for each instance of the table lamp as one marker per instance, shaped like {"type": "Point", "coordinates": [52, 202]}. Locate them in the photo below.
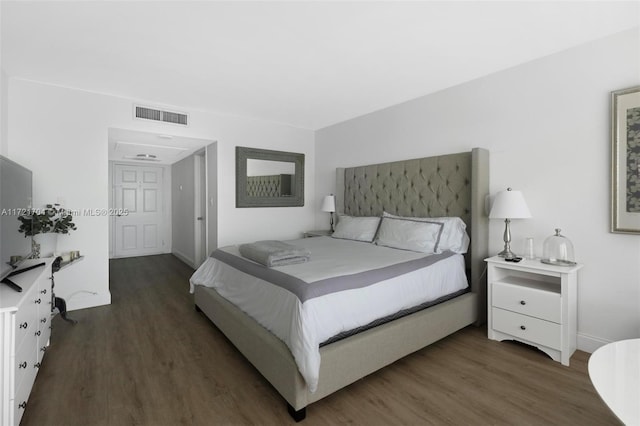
{"type": "Point", "coordinates": [509, 205]}
{"type": "Point", "coordinates": [329, 205]}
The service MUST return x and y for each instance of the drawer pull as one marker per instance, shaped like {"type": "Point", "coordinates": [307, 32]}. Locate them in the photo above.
{"type": "Point", "coordinates": [23, 405]}
{"type": "Point", "coordinates": [522, 327]}
{"type": "Point", "coordinates": [38, 301]}
{"type": "Point", "coordinates": [24, 325]}
{"type": "Point", "coordinates": [22, 364]}
{"type": "Point", "coordinates": [44, 291]}
{"type": "Point", "coordinates": [522, 302]}
{"type": "Point", "coordinates": [38, 333]}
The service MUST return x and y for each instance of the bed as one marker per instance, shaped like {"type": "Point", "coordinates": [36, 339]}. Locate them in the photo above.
{"type": "Point", "coordinates": [453, 185]}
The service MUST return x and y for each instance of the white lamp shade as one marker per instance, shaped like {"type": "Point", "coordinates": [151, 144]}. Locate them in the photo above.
{"type": "Point", "coordinates": [509, 204]}
{"type": "Point", "coordinates": [329, 204]}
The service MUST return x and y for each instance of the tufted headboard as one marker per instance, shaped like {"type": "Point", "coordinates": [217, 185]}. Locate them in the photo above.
{"type": "Point", "coordinates": [269, 186]}
{"type": "Point", "coordinates": [445, 185]}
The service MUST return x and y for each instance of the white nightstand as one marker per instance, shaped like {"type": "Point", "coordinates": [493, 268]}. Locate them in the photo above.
{"type": "Point", "coordinates": [321, 233]}
{"type": "Point", "coordinates": [533, 303]}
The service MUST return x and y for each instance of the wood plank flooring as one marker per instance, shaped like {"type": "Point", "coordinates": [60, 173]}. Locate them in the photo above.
{"type": "Point", "coordinates": [150, 359]}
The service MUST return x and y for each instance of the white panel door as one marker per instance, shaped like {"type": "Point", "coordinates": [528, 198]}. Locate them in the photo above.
{"type": "Point", "coordinates": [138, 192]}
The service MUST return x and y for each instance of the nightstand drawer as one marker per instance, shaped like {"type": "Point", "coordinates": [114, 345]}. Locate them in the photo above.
{"type": "Point", "coordinates": [527, 328]}
{"type": "Point", "coordinates": [528, 300]}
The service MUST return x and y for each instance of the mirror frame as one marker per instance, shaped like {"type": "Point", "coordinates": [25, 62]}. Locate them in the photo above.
{"type": "Point", "coordinates": [242, 200]}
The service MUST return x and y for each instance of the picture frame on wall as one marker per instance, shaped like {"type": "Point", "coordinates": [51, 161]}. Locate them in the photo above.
{"type": "Point", "coordinates": [625, 161]}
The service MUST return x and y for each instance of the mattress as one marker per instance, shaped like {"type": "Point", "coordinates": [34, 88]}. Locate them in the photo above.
{"type": "Point", "coordinates": [375, 282]}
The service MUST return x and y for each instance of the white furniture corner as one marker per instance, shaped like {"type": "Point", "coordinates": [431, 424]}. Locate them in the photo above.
{"type": "Point", "coordinates": [533, 303]}
{"type": "Point", "coordinates": [614, 370]}
{"type": "Point", "coordinates": [25, 328]}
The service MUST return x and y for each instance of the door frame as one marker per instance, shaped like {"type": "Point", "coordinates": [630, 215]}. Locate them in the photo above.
{"type": "Point", "coordinates": [200, 207]}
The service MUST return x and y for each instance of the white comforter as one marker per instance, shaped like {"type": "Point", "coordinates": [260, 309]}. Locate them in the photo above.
{"type": "Point", "coordinates": [303, 326]}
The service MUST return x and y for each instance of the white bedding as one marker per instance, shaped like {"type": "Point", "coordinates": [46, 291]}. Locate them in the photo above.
{"type": "Point", "coordinates": [303, 326]}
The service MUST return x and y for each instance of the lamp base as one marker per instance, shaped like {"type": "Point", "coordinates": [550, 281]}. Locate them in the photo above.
{"type": "Point", "coordinates": [507, 254]}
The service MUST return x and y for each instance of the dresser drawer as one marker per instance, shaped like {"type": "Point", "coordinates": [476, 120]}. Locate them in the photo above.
{"type": "Point", "coordinates": [45, 333]}
{"type": "Point", "coordinates": [25, 324]}
{"type": "Point", "coordinates": [534, 330]}
{"type": "Point", "coordinates": [25, 359]}
{"type": "Point", "coordinates": [527, 299]}
{"type": "Point", "coordinates": [21, 397]}
{"type": "Point", "coordinates": [26, 321]}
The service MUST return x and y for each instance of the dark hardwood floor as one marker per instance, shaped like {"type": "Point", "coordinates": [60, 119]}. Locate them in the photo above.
{"type": "Point", "coordinates": [150, 359]}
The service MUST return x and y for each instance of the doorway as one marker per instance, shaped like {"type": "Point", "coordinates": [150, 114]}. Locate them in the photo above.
{"type": "Point", "coordinates": [144, 186]}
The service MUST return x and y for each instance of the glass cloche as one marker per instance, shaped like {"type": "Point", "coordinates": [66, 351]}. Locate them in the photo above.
{"type": "Point", "coordinates": [558, 250]}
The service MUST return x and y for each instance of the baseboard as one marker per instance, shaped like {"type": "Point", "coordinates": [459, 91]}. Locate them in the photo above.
{"type": "Point", "coordinates": [113, 256]}
{"type": "Point", "coordinates": [184, 258]}
{"type": "Point", "coordinates": [84, 299]}
{"type": "Point", "coordinates": [589, 344]}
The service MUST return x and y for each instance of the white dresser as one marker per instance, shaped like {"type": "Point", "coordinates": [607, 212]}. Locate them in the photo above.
{"type": "Point", "coordinates": [25, 327]}
{"type": "Point", "coordinates": [533, 303]}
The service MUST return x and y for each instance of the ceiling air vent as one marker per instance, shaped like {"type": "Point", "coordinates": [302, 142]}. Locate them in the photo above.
{"type": "Point", "coordinates": [159, 115]}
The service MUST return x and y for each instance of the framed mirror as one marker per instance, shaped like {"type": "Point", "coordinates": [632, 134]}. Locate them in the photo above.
{"type": "Point", "coordinates": [266, 178]}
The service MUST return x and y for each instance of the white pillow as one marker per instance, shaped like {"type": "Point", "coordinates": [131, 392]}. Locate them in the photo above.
{"type": "Point", "coordinates": [357, 228]}
{"type": "Point", "coordinates": [454, 235]}
{"type": "Point", "coordinates": [407, 234]}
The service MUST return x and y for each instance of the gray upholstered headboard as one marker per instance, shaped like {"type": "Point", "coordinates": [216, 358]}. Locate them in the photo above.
{"type": "Point", "coordinates": [445, 185]}
{"type": "Point", "coordinates": [269, 186]}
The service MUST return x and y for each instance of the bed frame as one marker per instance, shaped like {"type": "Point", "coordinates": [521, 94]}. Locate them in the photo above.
{"type": "Point", "coordinates": [447, 185]}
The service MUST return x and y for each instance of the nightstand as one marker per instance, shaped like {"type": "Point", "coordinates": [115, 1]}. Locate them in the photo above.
{"type": "Point", "coordinates": [320, 233]}
{"type": "Point", "coordinates": [533, 303]}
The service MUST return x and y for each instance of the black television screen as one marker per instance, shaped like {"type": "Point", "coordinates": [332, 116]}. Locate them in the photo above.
{"type": "Point", "coordinates": [15, 200]}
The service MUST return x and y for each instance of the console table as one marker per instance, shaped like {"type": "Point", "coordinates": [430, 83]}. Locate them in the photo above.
{"type": "Point", "coordinates": [614, 370]}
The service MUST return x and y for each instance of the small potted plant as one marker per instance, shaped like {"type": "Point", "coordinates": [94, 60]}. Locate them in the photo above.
{"type": "Point", "coordinates": [53, 219]}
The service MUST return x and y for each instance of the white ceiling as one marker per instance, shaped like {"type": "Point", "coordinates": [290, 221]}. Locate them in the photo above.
{"type": "Point", "coordinates": [306, 64]}
{"type": "Point", "coordinates": [151, 148]}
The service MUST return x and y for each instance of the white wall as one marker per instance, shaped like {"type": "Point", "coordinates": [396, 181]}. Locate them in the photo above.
{"type": "Point", "coordinates": [4, 81]}
{"type": "Point", "coordinates": [61, 134]}
{"type": "Point", "coordinates": [182, 209]}
{"type": "Point", "coordinates": [3, 105]}
{"type": "Point", "coordinates": [546, 124]}
{"type": "Point", "coordinates": [269, 167]}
